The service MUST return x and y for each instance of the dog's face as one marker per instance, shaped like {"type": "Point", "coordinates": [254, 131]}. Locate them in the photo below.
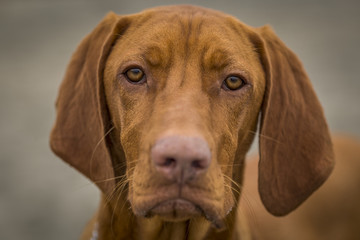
{"type": "Point", "coordinates": [173, 94]}
{"type": "Point", "coordinates": [184, 99]}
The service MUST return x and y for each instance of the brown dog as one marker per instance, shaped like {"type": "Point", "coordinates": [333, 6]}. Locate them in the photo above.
{"type": "Point", "coordinates": [159, 110]}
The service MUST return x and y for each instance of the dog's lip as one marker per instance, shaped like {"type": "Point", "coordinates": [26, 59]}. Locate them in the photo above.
{"type": "Point", "coordinates": [178, 209]}
{"type": "Point", "coordinates": [175, 209]}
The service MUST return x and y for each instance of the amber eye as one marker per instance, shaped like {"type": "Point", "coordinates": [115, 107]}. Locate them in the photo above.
{"type": "Point", "coordinates": [135, 75]}
{"type": "Point", "coordinates": [234, 83]}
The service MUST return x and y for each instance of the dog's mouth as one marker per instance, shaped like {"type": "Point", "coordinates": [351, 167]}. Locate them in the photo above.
{"type": "Point", "coordinates": [179, 209]}
{"type": "Point", "coordinates": [175, 210]}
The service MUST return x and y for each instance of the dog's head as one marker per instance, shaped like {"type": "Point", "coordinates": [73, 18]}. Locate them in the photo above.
{"type": "Point", "coordinates": [167, 101]}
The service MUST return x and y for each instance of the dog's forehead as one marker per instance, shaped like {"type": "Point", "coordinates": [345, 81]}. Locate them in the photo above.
{"type": "Point", "coordinates": [189, 24]}
{"type": "Point", "coordinates": [162, 34]}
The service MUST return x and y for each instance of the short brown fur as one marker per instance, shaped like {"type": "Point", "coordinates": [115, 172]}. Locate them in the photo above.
{"type": "Point", "coordinates": [107, 126]}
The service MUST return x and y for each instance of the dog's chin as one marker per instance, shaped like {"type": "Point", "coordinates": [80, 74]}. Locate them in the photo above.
{"type": "Point", "coordinates": [178, 210]}
{"type": "Point", "coordinates": [175, 210]}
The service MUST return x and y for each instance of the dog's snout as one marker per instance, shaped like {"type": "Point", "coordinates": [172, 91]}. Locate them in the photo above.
{"type": "Point", "coordinates": [181, 158]}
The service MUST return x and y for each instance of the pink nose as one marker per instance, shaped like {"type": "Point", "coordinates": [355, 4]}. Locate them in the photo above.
{"type": "Point", "coordinates": [181, 158]}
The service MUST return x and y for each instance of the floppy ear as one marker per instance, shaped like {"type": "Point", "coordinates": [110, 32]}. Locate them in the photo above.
{"type": "Point", "coordinates": [78, 136]}
{"type": "Point", "coordinates": [296, 154]}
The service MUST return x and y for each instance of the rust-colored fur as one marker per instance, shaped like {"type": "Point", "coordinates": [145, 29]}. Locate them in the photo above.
{"type": "Point", "coordinates": [332, 213]}
{"type": "Point", "coordinates": [107, 126]}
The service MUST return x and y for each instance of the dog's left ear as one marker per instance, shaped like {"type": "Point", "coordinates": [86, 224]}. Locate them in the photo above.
{"type": "Point", "coordinates": [78, 136]}
{"type": "Point", "coordinates": [296, 154]}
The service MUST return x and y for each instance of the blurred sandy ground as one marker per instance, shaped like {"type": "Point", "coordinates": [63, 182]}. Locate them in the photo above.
{"type": "Point", "coordinates": [43, 198]}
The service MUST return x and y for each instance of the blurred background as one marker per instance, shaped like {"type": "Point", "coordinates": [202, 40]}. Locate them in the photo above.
{"type": "Point", "coordinates": [43, 198]}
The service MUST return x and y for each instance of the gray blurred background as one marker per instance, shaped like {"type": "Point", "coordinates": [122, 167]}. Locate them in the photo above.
{"type": "Point", "coordinates": [43, 198]}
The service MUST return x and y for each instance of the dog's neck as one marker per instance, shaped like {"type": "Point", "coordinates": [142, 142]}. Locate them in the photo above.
{"type": "Point", "coordinates": [118, 222]}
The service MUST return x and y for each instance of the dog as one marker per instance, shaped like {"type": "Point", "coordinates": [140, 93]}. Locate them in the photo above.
{"type": "Point", "coordinates": [159, 109]}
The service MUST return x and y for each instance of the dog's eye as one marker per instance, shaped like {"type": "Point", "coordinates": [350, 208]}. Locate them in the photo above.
{"type": "Point", "coordinates": [135, 75]}
{"type": "Point", "coordinates": [233, 83]}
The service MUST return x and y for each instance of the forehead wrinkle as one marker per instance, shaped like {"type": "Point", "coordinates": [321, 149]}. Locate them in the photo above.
{"type": "Point", "coordinates": [232, 48]}
{"type": "Point", "coordinates": [155, 55]}
{"type": "Point", "coordinates": [214, 58]}
{"type": "Point", "coordinates": [158, 48]}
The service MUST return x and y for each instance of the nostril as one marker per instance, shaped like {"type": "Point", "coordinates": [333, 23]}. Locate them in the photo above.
{"type": "Point", "coordinates": [198, 164]}
{"type": "Point", "coordinates": [168, 162]}
{"type": "Point", "coordinates": [166, 166]}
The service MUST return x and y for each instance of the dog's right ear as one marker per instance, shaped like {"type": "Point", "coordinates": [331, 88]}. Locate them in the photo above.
{"type": "Point", "coordinates": [78, 136]}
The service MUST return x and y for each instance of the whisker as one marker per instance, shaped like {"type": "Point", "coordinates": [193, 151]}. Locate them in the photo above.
{"type": "Point", "coordinates": [251, 212]}
{"type": "Point", "coordinates": [118, 186]}
{"type": "Point", "coordinates": [232, 188]}
{"type": "Point", "coordinates": [113, 216]}
{"type": "Point", "coordinates": [245, 198]}
{"type": "Point", "coordinates": [119, 191]}
{"type": "Point", "coordinates": [125, 164]}
{"type": "Point", "coordinates": [231, 180]}
{"type": "Point", "coordinates": [264, 136]}
{"type": "Point", "coordinates": [96, 146]}
{"type": "Point", "coordinates": [113, 193]}
{"type": "Point", "coordinates": [229, 165]}
{"type": "Point", "coordinates": [131, 162]}
{"type": "Point", "coordinates": [110, 179]}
